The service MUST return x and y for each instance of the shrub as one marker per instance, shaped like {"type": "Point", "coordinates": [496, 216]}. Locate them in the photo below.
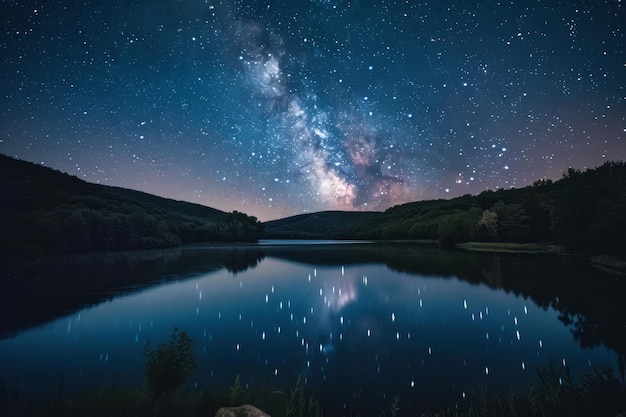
{"type": "Point", "coordinates": [170, 364]}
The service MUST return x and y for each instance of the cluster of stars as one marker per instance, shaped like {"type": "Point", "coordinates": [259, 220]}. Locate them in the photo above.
{"type": "Point", "coordinates": [350, 105]}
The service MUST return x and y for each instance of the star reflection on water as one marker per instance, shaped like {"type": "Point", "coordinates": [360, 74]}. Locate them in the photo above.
{"type": "Point", "coordinates": [358, 332]}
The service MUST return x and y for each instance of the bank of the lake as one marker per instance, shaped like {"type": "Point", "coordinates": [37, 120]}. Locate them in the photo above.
{"type": "Point", "coordinates": [506, 247]}
{"type": "Point", "coordinates": [606, 263]}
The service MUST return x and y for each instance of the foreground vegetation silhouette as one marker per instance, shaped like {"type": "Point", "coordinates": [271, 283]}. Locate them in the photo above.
{"type": "Point", "coordinates": [555, 394]}
{"type": "Point", "coordinates": [169, 366]}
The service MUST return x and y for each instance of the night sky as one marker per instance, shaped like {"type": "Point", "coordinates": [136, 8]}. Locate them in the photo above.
{"type": "Point", "coordinates": [277, 108]}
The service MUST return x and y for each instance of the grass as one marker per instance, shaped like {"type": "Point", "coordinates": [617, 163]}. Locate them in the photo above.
{"type": "Point", "coordinates": [300, 404]}
{"type": "Point", "coordinates": [112, 400]}
{"type": "Point", "coordinates": [504, 247]}
{"type": "Point", "coordinates": [167, 367]}
{"type": "Point", "coordinates": [555, 394]}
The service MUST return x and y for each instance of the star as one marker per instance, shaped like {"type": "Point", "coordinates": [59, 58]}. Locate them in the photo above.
{"type": "Point", "coordinates": [352, 106]}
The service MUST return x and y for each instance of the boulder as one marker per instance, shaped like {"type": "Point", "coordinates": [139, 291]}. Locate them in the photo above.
{"type": "Point", "coordinates": [243, 411]}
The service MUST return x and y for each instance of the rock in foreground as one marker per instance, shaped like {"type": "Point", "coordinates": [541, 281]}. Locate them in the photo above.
{"type": "Point", "coordinates": [243, 411]}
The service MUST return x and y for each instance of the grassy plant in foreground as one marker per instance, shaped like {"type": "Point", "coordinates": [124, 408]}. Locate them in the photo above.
{"type": "Point", "coordinates": [299, 404]}
{"type": "Point", "coordinates": [555, 394]}
{"type": "Point", "coordinates": [236, 393]}
{"type": "Point", "coordinates": [170, 364]}
{"type": "Point", "coordinates": [395, 406]}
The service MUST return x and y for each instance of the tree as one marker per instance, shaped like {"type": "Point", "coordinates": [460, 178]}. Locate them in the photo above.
{"type": "Point", "coordinates": [170, 364]}
{"type": "Point", "coordinates": [489, 223]}
{"type": "Point", "coordinates": [513, 222]}
{"type": "Point", "coordinates": [243, 228]}
{"type": "Point", "coordinates": [458, 226]}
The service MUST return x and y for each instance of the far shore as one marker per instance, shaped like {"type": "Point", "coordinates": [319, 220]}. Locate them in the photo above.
{"type": "Point", "coordinates": [606, 263]}
{"type": "Point", "coordinates": [507, 247]}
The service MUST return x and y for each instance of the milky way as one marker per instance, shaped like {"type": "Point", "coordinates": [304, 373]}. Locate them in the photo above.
{"type": "Point", "coordinates": [281, 107]}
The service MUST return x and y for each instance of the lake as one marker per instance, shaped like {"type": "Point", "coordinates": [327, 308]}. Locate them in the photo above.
{"type": "Point", "coordinates": [359, 322]}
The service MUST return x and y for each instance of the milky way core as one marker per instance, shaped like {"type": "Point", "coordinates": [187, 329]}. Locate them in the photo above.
{"type": "Point", "coordinates": [277, 108]}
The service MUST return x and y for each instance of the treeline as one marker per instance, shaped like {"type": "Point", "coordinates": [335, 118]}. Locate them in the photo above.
{"type": "Point", "coordinates": [321, 225]}
{"type": "Point", "coordinates": [583, 211]}
{"type": "Point", "coordinates": [43, 211]}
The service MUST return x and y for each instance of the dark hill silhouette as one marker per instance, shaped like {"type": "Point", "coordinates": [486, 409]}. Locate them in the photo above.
{"type": "Point", "coordinates": [320, 225]}
{"type": "Point", "coordinates": [582, 212]}
{"type": "Point", "coordinates": [45, 211]}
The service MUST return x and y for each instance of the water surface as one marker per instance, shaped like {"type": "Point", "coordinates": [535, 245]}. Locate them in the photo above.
{"type": "Point", "coordinates": [360, 323]}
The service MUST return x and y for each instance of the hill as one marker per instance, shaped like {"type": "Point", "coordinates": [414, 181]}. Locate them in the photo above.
{"type": "Point", "coordinates": [582, 212]}
{"type": "Point", "coordinates": [321, 225]}
{"type": "Point", "coordinates": [43, 211]}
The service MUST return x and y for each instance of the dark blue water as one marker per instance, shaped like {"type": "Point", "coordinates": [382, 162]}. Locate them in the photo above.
{"type": "Point", "coordinates": [418, 323]}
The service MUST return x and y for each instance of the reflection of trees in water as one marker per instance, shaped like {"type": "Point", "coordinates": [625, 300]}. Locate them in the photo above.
{"type": "Point", "coordinates": [418, 259]}
{"type": "Point", "coordinates": [590, 302]}
{"type": "Point", "coordinates": [42, 290]}
{"type": "Point", "coordinates": [493, 274]}
{"type": "Point", "coordinates": [240, 260]}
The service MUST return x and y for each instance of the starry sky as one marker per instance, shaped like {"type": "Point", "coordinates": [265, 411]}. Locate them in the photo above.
{"type": "Point", "coordinates": [281, 107]}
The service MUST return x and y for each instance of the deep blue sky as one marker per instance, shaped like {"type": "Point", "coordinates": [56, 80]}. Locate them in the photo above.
{"type": "Point", "coordinates": [276, 108]}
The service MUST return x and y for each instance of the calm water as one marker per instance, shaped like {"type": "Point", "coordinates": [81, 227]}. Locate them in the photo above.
{"type": "Point", "coordinates": [361, 323]}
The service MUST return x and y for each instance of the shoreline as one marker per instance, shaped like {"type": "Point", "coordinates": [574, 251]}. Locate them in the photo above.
{"type": "Point", "coordinates": [609, 264]}
{"type": "Point", "coordinates": [506, 247]}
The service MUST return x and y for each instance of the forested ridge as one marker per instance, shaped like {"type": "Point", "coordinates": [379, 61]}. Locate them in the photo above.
{"type": "Point", "coordinates": [321, 225]}
{"type": "Point", "coordinates": [585, 211]}
{"type": "Point", "coordinates": [43, 211]}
